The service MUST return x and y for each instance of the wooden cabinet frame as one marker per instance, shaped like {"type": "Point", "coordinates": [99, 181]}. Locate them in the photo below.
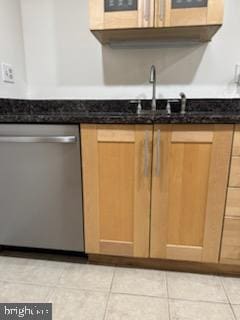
{"type": "Point", "coordinates": [126, 231]}
{"type": "Point", "coordinates": [155, 20]}
{"type": "Point", "coordinates": [230, 251]}
{"type": "Point", "coordinates": [173, 208]}
{"type": "Point", "coordinates": [212, 143]}
{"type": "Point", "coordinates": [141, 18]}
{"type": "Point", "coordinates": [165, 16]}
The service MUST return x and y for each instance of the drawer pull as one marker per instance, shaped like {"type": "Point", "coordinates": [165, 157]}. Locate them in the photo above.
{"type": "Point", "coordinates": [38, 139]}
{"type": "Point", "coordinates": [146, 155]}
{"type": "Point", "coordinates": [158, 153]}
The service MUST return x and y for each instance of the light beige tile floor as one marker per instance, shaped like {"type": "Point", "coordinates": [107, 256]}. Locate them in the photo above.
{"type": "Point", "coordinates": [31, 270]}
{"type": "Point", "coordinates": [195, 287]}
{"type": "Point", "coordinates": [89, 292]}
{"type": "Point", "coordinates": [232, 288]}
{"type": "Point", "coordinates": [89, 277]}
{"type": "Point", "coordinates": [195, 310]}
{"type": "Point", "coordinates": [140, 282]}
{"type": "Point", "coordinates": [236, 309]}
{"type": "Point", "coordinates": [78, 304]}
{"type": "Point", "coordinates": [131, 307]}
{"type": "Point", "coordinates": [23, 293]}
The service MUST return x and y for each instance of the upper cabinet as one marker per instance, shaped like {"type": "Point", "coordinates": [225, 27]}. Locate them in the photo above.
{"type": "Point", "coordinates": [155, 20]}
{"type": "Point", "coordinates": [180, 13]}
{"type": "Point", "coordinates": [124, 14]}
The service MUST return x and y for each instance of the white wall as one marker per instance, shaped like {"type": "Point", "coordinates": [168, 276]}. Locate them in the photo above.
{"type": "Point", "coordinates": [64, 60]}
{"type": "Point", "coordinates": [11, 48]}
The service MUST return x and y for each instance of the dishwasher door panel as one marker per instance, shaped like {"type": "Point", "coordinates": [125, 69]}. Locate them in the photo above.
{"type": "Point", "coordinates": [41, 188]}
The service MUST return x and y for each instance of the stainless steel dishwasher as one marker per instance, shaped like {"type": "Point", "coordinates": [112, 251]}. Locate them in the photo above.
{"type": "Point", "coordinates": [41, 187]}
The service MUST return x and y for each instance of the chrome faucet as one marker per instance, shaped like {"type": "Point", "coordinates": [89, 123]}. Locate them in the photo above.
{"type": "Point", "coordinates": [153, 80]}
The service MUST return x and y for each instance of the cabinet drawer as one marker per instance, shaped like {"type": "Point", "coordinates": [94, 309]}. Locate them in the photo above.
{"type": "Point", "coordinates": [236, 141]}
{"type": "Point", "coordinates": [231, 241]}
{"type": "Point", "coordinates": [235, 172]}
{"type": "Point", "coordinates": [233, 203]}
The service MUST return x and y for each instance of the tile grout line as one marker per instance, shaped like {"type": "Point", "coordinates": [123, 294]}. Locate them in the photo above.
{"type": "Point", "coordinates": [109, 294]}
{"type": "Point", "coordinates": [168, 298]}
{"type": "Point", "coordinates": [53, 289]}
{"type": "Point", "coordinates": [55, 286]}
{"type": "Point", "coordinates": [231, 305]}
{"type": "Point", "coordinates": [61, 274]}
{"type": "Point", "coordinates": [225, 292]}
{"type": "Point", "coordinates": [36, 283]}
{"type": "Point", "coordinates": [200, 301]}
{"type": "Point", "coordinates": [229, 302]}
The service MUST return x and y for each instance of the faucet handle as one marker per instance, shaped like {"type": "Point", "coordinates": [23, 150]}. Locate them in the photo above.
{"type": "Point", "coordinates": [168, 107]}
{"type": "Point", "coordinates": [139, 107]}
{"type": "Point", "coordinates": [183, 102]}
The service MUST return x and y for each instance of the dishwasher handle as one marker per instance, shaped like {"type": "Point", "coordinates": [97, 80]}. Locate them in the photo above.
{"type": "Point", "coordinates": [38, 139]}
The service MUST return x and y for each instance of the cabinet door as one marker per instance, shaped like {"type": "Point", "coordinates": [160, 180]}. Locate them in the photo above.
{"type": "Point", "coordinates": [116, 164]}
{"type": "Point", "coordinates": [189, 184]}
{"type": "Point", "coordinates": [121, 14]}
{"type": "Point", "coordinates": [173, 13]}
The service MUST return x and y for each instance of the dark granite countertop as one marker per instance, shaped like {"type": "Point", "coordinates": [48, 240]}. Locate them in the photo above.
{"type": "Point", "coordinates": [117, 111]}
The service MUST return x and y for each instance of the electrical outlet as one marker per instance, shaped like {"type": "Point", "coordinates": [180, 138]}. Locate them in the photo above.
{"type": "Point", "coordinates": [7, 73]}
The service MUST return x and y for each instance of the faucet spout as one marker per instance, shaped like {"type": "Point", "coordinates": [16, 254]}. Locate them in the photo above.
{"type": "Point", "coordinates": [153, 80]}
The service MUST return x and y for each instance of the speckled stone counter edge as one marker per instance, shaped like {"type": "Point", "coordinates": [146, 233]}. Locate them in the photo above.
{"type": "Point", "coordinates": [199, 111]}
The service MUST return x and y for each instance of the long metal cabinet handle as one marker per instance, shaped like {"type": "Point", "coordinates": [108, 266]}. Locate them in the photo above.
{"type": "Point", "coordinates": [38, 139]}
{"type": "Point", "coordinates": [162, 9]}
{"type": "Point", "coordinates": [146, 9]}
{"type": "Point", "coordinates": [158, 153]}
{"type": "Point", "coordinates": [146, 154]}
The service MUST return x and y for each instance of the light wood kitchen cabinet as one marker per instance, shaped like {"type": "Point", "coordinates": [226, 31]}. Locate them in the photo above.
{"type": "Point", "coordinates": [103, 17]}
{"type": "Point", "coordinates": [189, 184]}
{"type": "Point", "coordinates": [230, 252]}
{"type": "Point", "coordinates": [116, 183]}
{"type": "Point", "coordinates": [155, 191]}
{"type": "Point", "coordinates": [114, 21]}
{"type": "Point", "coordinates": [173, 13]}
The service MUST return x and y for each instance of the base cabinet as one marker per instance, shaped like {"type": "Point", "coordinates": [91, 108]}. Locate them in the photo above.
{"type": "Point", "coordinates": [117, 183]}
{"type": "Point", "coordinates": [189, 184]}
{"type": "Point", "coordinates": [155, 191]}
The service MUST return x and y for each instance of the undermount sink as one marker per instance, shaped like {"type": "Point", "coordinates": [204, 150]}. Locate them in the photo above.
{"type": "Point", "coordinates": [163, 107]}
